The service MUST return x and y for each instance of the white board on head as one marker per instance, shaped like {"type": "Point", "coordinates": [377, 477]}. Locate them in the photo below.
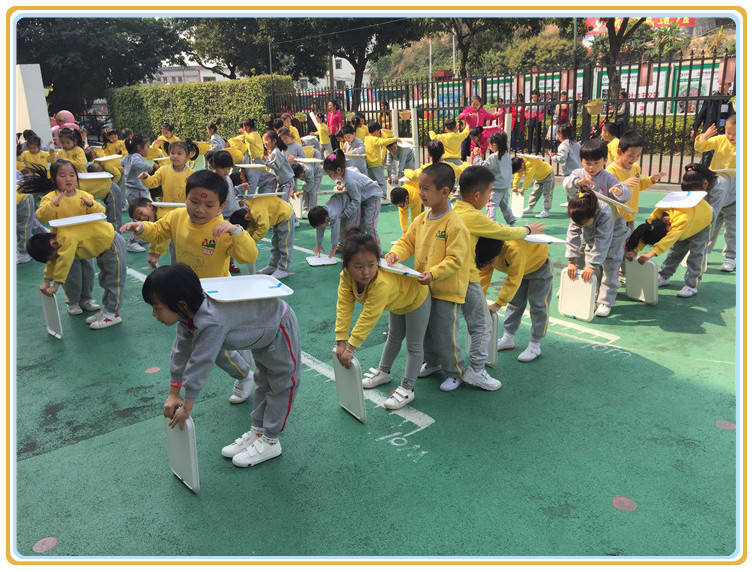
{"type": "Point", "coordinates": [398, 268]}
{"type": "Point", "coordinates": [349, 387]}
{"type": "Point", "coordinates": [530, 156]}
{"type": "Point", "coordinates": [108, 158]}
{"type": "Point", "coordinates": [182, 453]}
{"type": "Point", "coordinates": [308, 160]}
{"type": "Point", "coordinates": [516, 204]}
{"type": "Point", "coordinates": [250, 166]}
{"type": "Point", "coordinates": [171, 205]}
{"type": "Point", "coordinates": [492, 346]}
{"type": "Point", "coordinates": [52, 315]}
{"type": "Point", "coordinates": [543, 239]}
{"type": "Point", "coordinates": [323, 260]}
{"type": "Point", "coordinates": [681, 200]}
{"type": "Point", "coordinates": [356, 155]}
{"type": "Point", "coordinates": [576, 297]}
{"type": "Point", "coordinates": [245, 287]}
{"type": "Point", "coordinates": [96, 175]}
{"type": "Point", "coordinates": [74, 220]}
{"type": "Point", "coordinates": [615, 203]}
{"type": "Point", "coordinates": [642, 281]}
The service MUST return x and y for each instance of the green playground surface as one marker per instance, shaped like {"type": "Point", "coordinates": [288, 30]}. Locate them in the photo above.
{"type": "Point", "coordinates": [622, 441]}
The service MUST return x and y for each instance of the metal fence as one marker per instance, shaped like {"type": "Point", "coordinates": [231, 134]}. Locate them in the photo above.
{"type": "Point", "coordinates": [663, 99]}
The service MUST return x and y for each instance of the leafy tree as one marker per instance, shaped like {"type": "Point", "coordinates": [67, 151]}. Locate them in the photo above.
{"type": "Point", "coordinates": [620, 31]}
{"type": "Point", "coordinates": [544, 53]}
{"type": "Point", "coordinates": [83, 57]}
{"type": "Point", "coordinates": [668, 41]}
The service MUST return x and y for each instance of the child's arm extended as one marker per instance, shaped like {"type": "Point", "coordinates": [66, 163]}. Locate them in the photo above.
{"type": "Point", "coordinates": [179, 357]}
{"type": "Point", "coordinates": [344, 312]}
{"type": "Point", "coordinates": [243, 249]}
{"type": "Point", "coordinates": [152, 181]}
{"type": "Point", "coordinates": [514, 261]}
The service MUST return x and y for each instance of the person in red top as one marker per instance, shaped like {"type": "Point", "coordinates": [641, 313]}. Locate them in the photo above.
{"type": "Point", "coordinates": [535, 115]}
{"type": "Point", "coordinates": [335, 122]}
{"type": "Point", "coordinates": [473, 116]}
{"type": "Point", "coordinates": [517, 123]}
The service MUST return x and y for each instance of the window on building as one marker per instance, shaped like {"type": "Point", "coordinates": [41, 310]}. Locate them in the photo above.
{"type": "Point", "coordinates": [303, 84]}
{"type": "Point", "coordinates": [340, 84]}
{"type": "Point", "coordinates": [211, 78]}
{"type": "Point", "coordinates": [338, 63]}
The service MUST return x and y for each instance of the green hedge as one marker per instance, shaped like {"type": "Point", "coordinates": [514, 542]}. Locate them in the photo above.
{"type": "Point", "coordinates": [190, 106]}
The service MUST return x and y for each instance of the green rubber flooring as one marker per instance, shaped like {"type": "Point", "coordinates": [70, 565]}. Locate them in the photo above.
{"type": "Point", "coordinates": [620, 441]}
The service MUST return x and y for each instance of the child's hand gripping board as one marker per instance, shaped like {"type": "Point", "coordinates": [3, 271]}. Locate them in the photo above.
{"type": "Point", "coordinates": [492, 345]}
{"type": "Point", "coordinates": [516, 204]}
{"type": "Point", "coordinates": [576, 297]}
{"type": "Point", "coordinates": [642, 281]}
{"type": "Point", "coordinates": [182, 453]}
{"type": "Point", "coordinates": [349, 387]}
{"type": "Point", "coordinates": [52, 315]}
{"type": "Point", "coordinates": [543, 239]}
{"type": "Point", "coordinates": [613, 202]}
{"type": "Point", "coordinates": [398, 268]}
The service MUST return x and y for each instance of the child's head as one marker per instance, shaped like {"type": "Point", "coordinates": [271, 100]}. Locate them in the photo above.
{"type": "Point", "coordinates": [697, 177]}
{"type": "Point", "coordinates": [174, 292]}
{"type": "Point", "coordinates": [565, 132]}
{"type": "Point", "coordinates": [357, 121]}
{"type": "Point", "coordinates": [244, 219]}
{"type": "Point", "coordinates": [36, 180]}
{"type": "Point", "coordinates": [475, 185]}
{"type": "Point", "coordinates": [69, 138]}
{"type": "Point", "coordinates": [34, 144]}
{"type": "Point", "coordinates": [318, 216]}
{"type": "Point", "coordinates": [518, 164]}
{"type": "Point", "coordinates": [248, 125]}
{"type": "Point", "coordinates": [475, 133]}
{"type": "Point", "coordinates": [126, 133]}
{"type": "Point", "coordinates": [64, 175]}
{"type": "Point", "coordinates": [609, 132]}
{"type": "Point", "coordinates": [361, 255]}
{"type": "Point", "coordinates": [212, 127]}
{"type": "Point", "coordinates": [298, 170]}
{"type": "Point", "coordinates": [138, 144]}
{"type": "Point", "coordinates": [375, 128]}
{"type": "Point", "coordinates": [206, 193]}
{"type": "Point", "coordinates": [142, 209]}
{"type": "Point", "coordinates": [339, 136]}
{"type": "Point", "coordinates": [476, 102]}
{"type": "Point", "coordinates": [486, 251]}
{"type": "Point", "coordinates": [650, 232]}
{"type": "Point", "coordinates": [95, 167]}
{"type": "Point", "coordinates": [435, 149]}
{"type": "Point", "coordinates": [622, 94]}
{"type": "Point", "coordinates": [563, 95]}
{"type": "Point", "coordinates": [392, 148]}
{"type": "Point", "coordinates": [535, 95]}
{"type": "Point", "coordinates": [630, 149]}
{"type": "Point", "coordinates": [593, 155]}
{"type": "Point", "coordinates": [730, 129]}
{"type": "Point", "coordinates": [348, 132]}
{"type": "Point", "coordinates": [399, 196]}
{"type": "Point", "coordinates": [278, 124]}
{"type": "Point", "coordinates": [321, 117]}
{"type": "Point", "coordinates": [43, 247]}
{"type": "Point", "coordinates": [520, 97]}
{"type": "Point", "coordinates": [110, 135]}
{"type": "Point", "coordinates": [583, 207]}
{"type": "Point", "coordinates": [435, 184]}
{"type": "Point", "coordinates": [179, 154]}
{"type": "Point", "coordinates": [286, 119]}
{"type": "Point", "coordinates": [450, 124]}
{"type": "Point", "coordinates": [271, 140]}
{"type": "Point", "coordinates": [335, 164]}
{"type": "Point", "coordinates": [167, 130]}
{"type": "Point", "coordinates": [499, 143]}
{"type": "Point", "coordinates": [286, 136]}
{"type": "Point", "coordinates": [222, 162]}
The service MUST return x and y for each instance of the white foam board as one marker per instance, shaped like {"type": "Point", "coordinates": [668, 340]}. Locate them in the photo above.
{"type": "Point", "coordinates": [74, 220]}
{"type": "Point", "coordinates": [244, 287]}
{"type": "Point", "coordinates": [182, 453]}
{"type": "Point", "coordinates": [171, 205]}
{"type": "Point", "coordinates": [314, 119]}
{"type": "Point", "coordinates": [94, 176]}
{"type": "Point", "coordinates": [615, 203]}
{"type": "Point", "coordinates": [349, 387]}
{"type": "Point", "coordinates": [52, 315]}
{"type": "Point", "coordinates": [250, 166]}
{"type": "Point", "coordinates": [308, 160]}
{"type": "Point", "coordinates": [399, 268]}
{"type": "Point", "coordinates": [642, 281]}
{"type": "Point", "coordinates": [577, 297]}
{"type": "Point", "coordinates": [323, 260]}
{"type": "Point", "coordinates": [298, 205]}
{"type": "Point", "coordinates": [516, 203]}
{"type": "Point", "coordinates": [681, 200]}
{"type": "Point", "coordinates": [543, 239]}
{"type": "Point", "coordinates": [108, 157]}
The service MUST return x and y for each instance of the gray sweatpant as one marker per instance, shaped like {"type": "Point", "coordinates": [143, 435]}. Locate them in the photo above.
{"type": "Point", "coordinates": [112, 265]}
{"type": "Point", "coordinates": [80, 281]}
{"type": "Point", "coordinates": [727, 217]}
{"type": "Point", "coordinates": [500, 199]}
{"type": "Point", "coordinates": [310, 193]}
{"type": "Point", "coordinates": [114, 206]}
{"type": "Point", "coordinates": [24, 222]}
{"type": "Point", "coordinates": [368, 216]}
{"type": "Point", "coordinates": [413, 327]}
{"type": "Point", "coordinates": [442, 345]}
{"type": "Point", "coordinates": [478, 319]}
{"type": "Point", "coordinates": [377, 174]}
{"type": "Point", "coordinates": [544, 188]}
{"type": "Point", "coordinates": [276, 375]}
{"type": "Point", "coordinates": [283, 244]}
{"type": "Point", "coordinates": [607, 274]}
{"type": "Point", "coordinates": [696, 246]}
{"type": "Point", "coordinates": [536, 288]}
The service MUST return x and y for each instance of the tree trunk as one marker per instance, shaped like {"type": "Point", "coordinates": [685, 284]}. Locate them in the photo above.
{"type": "Point", "coordinates": [356, 98]}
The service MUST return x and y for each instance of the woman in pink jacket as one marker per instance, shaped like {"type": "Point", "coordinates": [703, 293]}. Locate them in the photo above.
{"type": "Point", "coordinates": [335, 122]}
{"type": "Point", "coordinates": [474, 116]}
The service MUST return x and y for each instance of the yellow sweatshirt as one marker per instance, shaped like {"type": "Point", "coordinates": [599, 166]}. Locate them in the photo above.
{"type": "Point", "coordinates": [451, 142]}
{"type": "Point", "coordinates": [517, 259]}
{"type": "Point", "coordinates": [622, 175]}
{"type": "Point", "coordinates": [69, 206]}
{"type": "Point", "coordinates": [684, 224]}
{"type": "Point", "coordinates": [79, 241]}
{"type": "Point", "coordinates": [387, 291]}
{"type": "Point", "coordinates": [268, 211]}
{"type": "Point", "coordinates": [323, 133]}
{"type": "Point", "coordinates": [361, 132]}
{"type": "Point", "coordinates": [724, 153]}
{"type": "Point", "coordinates": [613, 152]}
{"type": "Point", "coordinates": [295, 132]}
{"type": "Point", "coordinates": [197, 248]}
{"type": "Point", "coordinates": [117, 148]}
{"type": "Point", "coordinates": [161, 140]}
{"type": "Point", "coordinates": [533, 169]}
{"type": "Point", "coordinates": [173, 184]}
{"type": "Point", "coordinates": [28, 159]}
{"type": "Point", "coordinates": [480, 225]}
{"type": "Point", "coordinates": [440, 246]}
{"type": "Point", "coordinates": [375, 146]}
{"type": "Point", "coordinates": [254, 145]}
{"type": "Point", "coordinates": [415, 204]}
{"type": "Point", "coordinates": [75, 156]}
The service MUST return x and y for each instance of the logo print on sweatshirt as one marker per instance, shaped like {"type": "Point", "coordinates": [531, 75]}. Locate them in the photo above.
{"type": "Point", "coordinates": [208, 246]}
{"type": "Point", "coordinates": [441, 234]}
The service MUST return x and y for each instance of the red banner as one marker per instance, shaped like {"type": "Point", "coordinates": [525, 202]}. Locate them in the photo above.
{"type": "Point", "coordinates": [684, 22]}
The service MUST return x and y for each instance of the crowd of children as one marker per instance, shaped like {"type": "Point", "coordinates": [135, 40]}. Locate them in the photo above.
{"type": "Point", "coordinates": [213, 217]}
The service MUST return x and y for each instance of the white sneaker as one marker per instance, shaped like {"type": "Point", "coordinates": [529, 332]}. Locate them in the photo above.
{"type": "Point", "coordinates": [450, 383]}
{"type": "Point", "coordinates": [134, 247]}
{"type": "Point", "coordinates": [528, 354]}
{"type": "Point", "coordinates": [242, 388]}
{"type": "Point", "coordinates": [566, 204]}
{"type": "Point", "coordinates": [94, 317]}
{"type": "Point", "coordinates": [728, 266]}
{"type": "Point", "coordinates": [662, 281]}
{"type": "Point", "coordinates": [240, 444]}
{"type": "Point", "coordinates": [385, 202]}
{"type": "Point", "coordinates": [686, 292]}
{"type": "Point", "coordinates": [280, 274]}
{"type": "Point", "coordinates": [399, 398]}
{"type": "Point", "coordinates": [544, 214]}
{"type": "Point", "coordinates": [22, 257]}
{"type": "Point", "coordinates": [480, 379]}
{"type": "Point", "coordinates": [74, 309]}
{"type": "Point", "coordinates": [527, 211]}
{"type": "Point", "coordinates": [603, 310]}
{"type": "Point", "coordinates": [505, 344]}
{"type": "Point", "coordinates": [256, 453]}
{"type": "Point", "coordinates": [105, 321]}
{"type": "Point", "coordinates": [426, 370]}
{"type": "Point", "coordinates": [89, 305]}
{"type": "Point", "coordinates": [375, 377]}
{"type": "Point", "coordinates": [267, 270]}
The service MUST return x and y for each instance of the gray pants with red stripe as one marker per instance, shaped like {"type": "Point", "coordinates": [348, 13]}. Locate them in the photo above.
{"type": "Point", "coordinates": [368, 216]}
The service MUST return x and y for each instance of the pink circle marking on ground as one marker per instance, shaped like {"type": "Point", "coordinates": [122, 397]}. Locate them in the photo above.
{"type": "Point", "coordinates": [624, 504]}
{"type": "Point", "coordinates": [145, 267]}
{"type": "Point", "coordinates": [47, 543]}
{"type": "Point", "coordinates": [152, 370]}
{"type": "Point", "coordinates": [722, 424]}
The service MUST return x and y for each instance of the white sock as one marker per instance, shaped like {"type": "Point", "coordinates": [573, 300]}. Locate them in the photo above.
{"type": "Point", "coordinates": [534, 346]}
{"type": "Point", "coordinates": [507, 338]}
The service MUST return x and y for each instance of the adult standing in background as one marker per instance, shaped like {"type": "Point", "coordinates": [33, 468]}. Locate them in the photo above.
{"type": "Point", "coordinates": [517, 124]}
{"type": "Point", "coordinates": [535, 115]}
{"type": "Point", "coordinates": [384, 117]}
{"type": "Point", "coordinates": [621, 117]}
{"type": "Point", "coordinates": [713, 111]}
{"type": "Point", "coordinates": [473, 116]}
{"type": "Point", "coordinates": [335, 122]}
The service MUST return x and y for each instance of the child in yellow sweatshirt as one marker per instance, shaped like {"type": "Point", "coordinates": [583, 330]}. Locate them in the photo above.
{"type": "Point", "coordinates": [406, 198]}
{"type": "Point", "coordinates": [724, 146]}
{"type": "Point", "coordinates": [375, 145]}
{"type": "Point", "coordinates": [451, 140]}
{"type": "Point", "coordinates": [439, 242]}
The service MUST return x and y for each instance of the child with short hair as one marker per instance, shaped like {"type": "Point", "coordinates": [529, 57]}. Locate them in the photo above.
{"type": "Point", "coordinates": [499, 164]}
{"type": "Point", "coordinates": [439, 242]}
{"type": "Point", "coordinates": [286, 118]}
{"type": "Point", "coordinates": [542, 173]}
{"type": "Point", "coordinates": [724, 146]}
{"type": "Point", "coordinates": [323, 135]}
{"type": "Point", "coordinates": [375, 144]}
{"type": "Point", "coordinates": [261, 214]}
{"type": "Point", "coordinates": [451, 140]}
{"type": "Point", "coordinates": [70, 141]}
{"type": "Point", "coordinates": [407, 300]}
{"type": "Point", "coordinates": [354, 146]}
{"type": "Point", "coordinates": [593, 155]}
{"type": "Point", "coordinates": [211, 332]}
{"type": "Point", "coordinates": [33, 154]}
{"type": "Point", "coordinates": [203, 239]}
{"type": "Point", "coordinates": [399, 158]}
{"type": "Point", "coordinates": [172, 178]}
{"type": "Point", "coordinates": [405, 198]}
{"type": "Point", "coordinates": [142, 210]}
{"type": "Point", "coordinates": [294, 150]}
{"type": "Point", "coordinates": [610, 134]}
{"type": "Point", "coordinates": [166, 137]}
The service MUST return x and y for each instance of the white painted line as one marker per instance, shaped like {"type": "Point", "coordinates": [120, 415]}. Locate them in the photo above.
{"type": "Point", "coordinates": [299, 248]}
{"type": "Point", "coordinates": [138, 275]}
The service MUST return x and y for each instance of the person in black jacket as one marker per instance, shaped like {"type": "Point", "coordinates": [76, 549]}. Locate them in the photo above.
{"type": "Point", "coordinates": [713, 111]}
